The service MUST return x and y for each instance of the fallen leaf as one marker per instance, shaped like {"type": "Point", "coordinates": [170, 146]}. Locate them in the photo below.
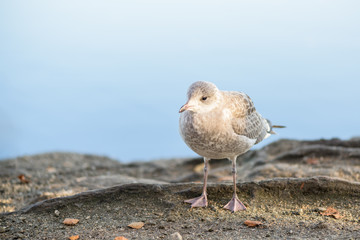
{"type": "Point", "coordinates": [225, 178]}
{"type": "Point", "coordinates": [250, 223]}
{"type": "Point", "coordinates": [70, 221]}
{"type": "Point", "coordinates": [120, 238]}
{"type": "Point", "coordinates": [331, 212]}
{"type": "Point", "coordinates": [302, 186]}
{"type": "Point", "coordinates": [312, 161]}
{"type": "Point", "coordinates": [51, 170]}
{"type": "Point", "coordinates": [136, 225]}
{"type": "Point", "coordinates": [199, 168]}
{"type": "Point", "coordinates": [23, 179]}
{"type": "Point", "coordinates": [75, 237]}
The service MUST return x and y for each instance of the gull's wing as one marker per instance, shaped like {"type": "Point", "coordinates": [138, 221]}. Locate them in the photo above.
{"type": "Point", "coordinates": [246, 120]}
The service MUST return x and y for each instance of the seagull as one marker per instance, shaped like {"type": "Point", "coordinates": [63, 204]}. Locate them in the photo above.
{"type": "Point", "coordinates": [220, 124]}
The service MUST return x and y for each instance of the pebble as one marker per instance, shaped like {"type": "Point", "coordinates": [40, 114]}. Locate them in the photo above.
{"type": "Point", "coordinates": [295, 213]}
{"type": "Point", "coordinates": [2, 229]}
{"type": "Point", "coordinates": [175, 236]}
{"type": "Point", "coordinates": [20, 235]}
{"type": "Point", "coordinates": [57, 213]}
{"type": "Point", "coordinates": [320, 209]}
{"type": "Point", "coordinates": [321, 225]}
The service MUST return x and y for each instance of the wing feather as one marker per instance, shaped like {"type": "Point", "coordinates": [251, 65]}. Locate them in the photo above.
{"type": "Point", "coordinates": [246, 120]}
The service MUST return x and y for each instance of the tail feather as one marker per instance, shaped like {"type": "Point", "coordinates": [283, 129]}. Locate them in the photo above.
{"type": "Point", "coordinates": [278, 126]}
{"type": "Point", "coordinates": [270, 130]}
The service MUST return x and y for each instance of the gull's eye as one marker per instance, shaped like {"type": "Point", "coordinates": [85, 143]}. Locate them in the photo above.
{"type": "Point", "coordinates": [203, 98]}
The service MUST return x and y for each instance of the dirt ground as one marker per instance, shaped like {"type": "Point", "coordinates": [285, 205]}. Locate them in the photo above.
{"type": "Point", "coordinates": [294, 189]}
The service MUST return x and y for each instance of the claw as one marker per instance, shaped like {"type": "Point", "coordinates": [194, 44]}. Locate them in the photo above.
{"type": "Point", "coordinates": [198, 201]}
{"type": "Point", "coordinates": [235, 205]}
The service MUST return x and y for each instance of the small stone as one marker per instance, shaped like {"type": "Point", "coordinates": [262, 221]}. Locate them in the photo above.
{"type": "Point", "coordinates": [57, 213]}
{"type": "Point", "coordinates": [295, 213]}
{"type": "Point", "coordinates": [321, 225]}
{"type": "Point", "coordinates": [320, 209]}
{"type": "Point", "coordinates": [2, 229]}
{"type": "Point", "coordinates": [175, 236]}
{"type": "Point", "coordinates": [158, 214]}
{"type": "Point", "coordinates": [87, 218]}
{"type": "Point", "coordinates": [20, 235]}
{"type": "Point", "coordinates": [79, 205]}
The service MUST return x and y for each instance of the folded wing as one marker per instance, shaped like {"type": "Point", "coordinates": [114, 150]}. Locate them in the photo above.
{"type": "Point", "coordinates": [246, 120]}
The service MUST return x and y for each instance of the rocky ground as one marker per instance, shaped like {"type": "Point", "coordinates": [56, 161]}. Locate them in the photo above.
{"type": "Point", "coordinates": [293, 189]}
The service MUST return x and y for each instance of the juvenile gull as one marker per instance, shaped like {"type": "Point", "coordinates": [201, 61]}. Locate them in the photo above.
{"type": "Point", "coordinates": [220, 124]}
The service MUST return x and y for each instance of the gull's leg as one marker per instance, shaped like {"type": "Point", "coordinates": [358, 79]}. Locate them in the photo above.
{"type": "Point", "coordinates": [235, 204]}
{"type": "Point", "coordinates": [202, 200]}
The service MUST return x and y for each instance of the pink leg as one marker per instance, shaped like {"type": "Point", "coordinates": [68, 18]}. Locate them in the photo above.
{"type": "Point", "coordinates": [235, 204]}
{"type": "Point", "coordinates": [202, 200]}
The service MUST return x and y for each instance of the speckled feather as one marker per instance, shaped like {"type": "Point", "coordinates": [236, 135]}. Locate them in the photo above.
{"type": "Point", "coordinates": [226, 126]}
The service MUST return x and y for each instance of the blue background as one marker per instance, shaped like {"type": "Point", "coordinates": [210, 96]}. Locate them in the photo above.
{"type": "Point", "coordinates": [108, 77]}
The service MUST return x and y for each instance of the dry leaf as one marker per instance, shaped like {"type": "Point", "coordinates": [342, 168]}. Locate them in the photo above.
{"type": "Point", "coordinates": [136, 225]}
{"type": "Point", "coordinates": [332, 212]}
{"type": "Point", "coordinates": [250, 223]}
{"type": "Point", "coordinates": [121, 238]}
{"type": "Point", "coordinates": [70, 221]}
{"type": "Point", "coordinates": [302, 186]}
{"type": "Point", "coordinates": [75, 237]}
{"type": "Point", "coordinates": [329, 211]}
{"type": "Point", "coordinates": [23, 179]}
{"type": "Point", "coordinates": [199, 168]}
{"type": "Point", "coordinates": [225, 178]}
{"type": "Point", "coordinates": [312, 161]}
{"type": "Point", "coordinates": [51, 170]}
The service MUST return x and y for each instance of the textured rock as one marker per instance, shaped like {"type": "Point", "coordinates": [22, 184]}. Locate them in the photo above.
{"type": "Point", "coordinates": [285, 185]}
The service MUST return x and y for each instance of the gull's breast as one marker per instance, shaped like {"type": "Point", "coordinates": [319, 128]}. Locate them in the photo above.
{"type": "Point", "coordinates": [211, 135]}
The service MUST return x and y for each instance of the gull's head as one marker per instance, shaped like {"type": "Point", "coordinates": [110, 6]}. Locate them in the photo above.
{"type": "Point", "coordinates": [202, 97]}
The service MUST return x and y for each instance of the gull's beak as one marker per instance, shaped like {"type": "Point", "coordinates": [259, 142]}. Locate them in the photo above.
{"type": "Point", "coordinates": [185, 107]}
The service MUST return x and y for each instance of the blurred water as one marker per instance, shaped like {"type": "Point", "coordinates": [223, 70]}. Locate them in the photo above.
{"type": "Point", "coordinates": [108, 77]}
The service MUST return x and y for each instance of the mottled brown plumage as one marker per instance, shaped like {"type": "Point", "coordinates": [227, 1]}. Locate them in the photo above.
{"type": "Point", "coordinates": [220, 124]}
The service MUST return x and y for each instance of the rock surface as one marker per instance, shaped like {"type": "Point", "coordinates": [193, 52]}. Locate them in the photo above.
{"type": "Point", "coordinates": [286, 186]}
